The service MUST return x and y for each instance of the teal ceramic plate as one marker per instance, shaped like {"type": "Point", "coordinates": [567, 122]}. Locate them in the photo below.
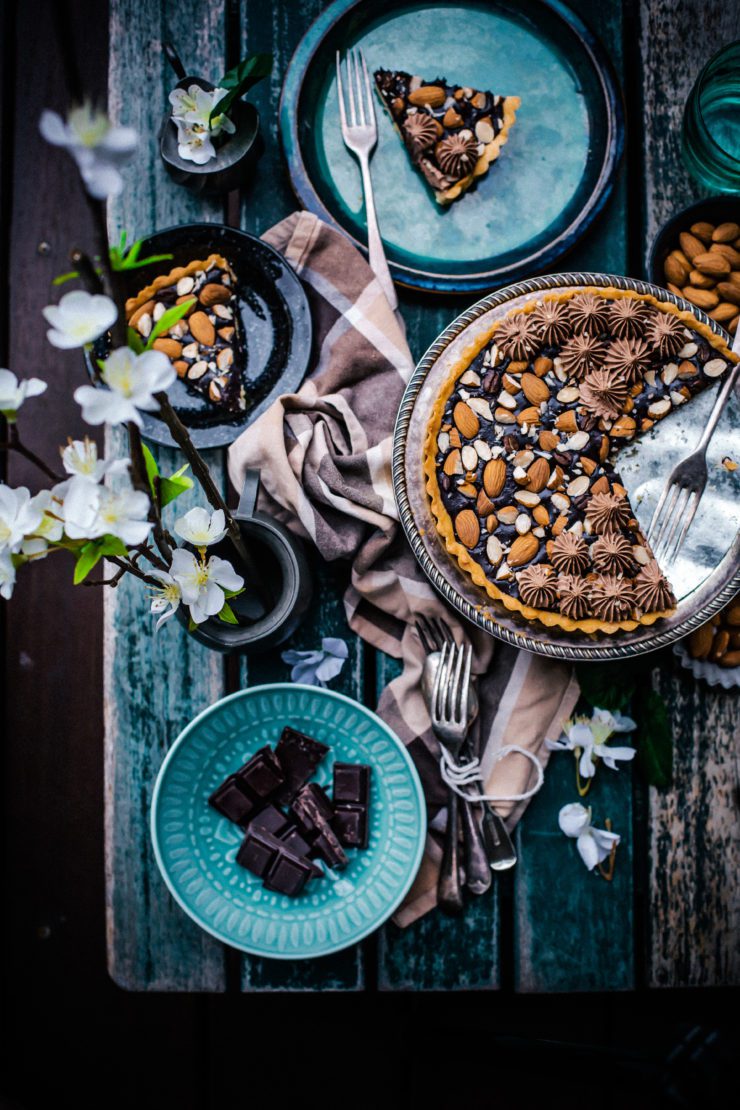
{"type": "Point", "coordinates": [195, 847]}
{"type": "Point", "coordinates": [553, 175]}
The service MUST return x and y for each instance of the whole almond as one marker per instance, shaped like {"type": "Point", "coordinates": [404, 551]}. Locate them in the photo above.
{"type": "Point", "coordinates": [522, 550]}
{"type": "Point", "coordinates": [181, 367]}
{"type": "Point", "coordinates": [535, 390]}
{"type": "Point", "coordinates": [730, 659]}
{"type": "Point", "coordinates": [484, 505]}
{"type": "Point", "coordinates": [729, 291]}
{"type": "Point", "coordinates": [538, 475]}
{"type": "Point", "coordinates": [147, 307]}
{"type": "Point", "coordinates": [690, 245]}
{"type": "Point", "coordinates": [433, 95]}
{"type": "Point", "coordinates": [517, 367]}
{"type": "Point", "coordinates": [171, 347]}
{"type": "Point", "coordinates": [467, 528]}
{"type": "Point", "coordinates": [542, 366]}
{"type": "Point", "coordinates": [725, 233]}
{"type": "Point", "coordinates": [674, 270]}
{"type": "Point", "coordinates": [700, 642]}
{"type": "Point", "coordinates": [548, 441]}
{"type": "Point", "coordinates": [202, 329]}
{"type": "Point", "coordinates": [589, 466]}
{"type": "Point", "coordinates": [703, 231]}
{"type": "Point", "coordinates": [732, 326]}
{"type": "Point", "coordinates": [466, 422]}
{"type": "Point", "coordinates": [702, 298]}
{"type": "Point", "coordinates": [728, 252]}
{"type": "Point", "coordinates": [213, 293]}
{"type": "Point", "coordinates": [529, 415]}
{"type": "Point", "coordinates": [494, 477]}
{"type": "Point", "coordinates": [701, 281]}
{"type": "Point", "coordinates": [559, 524]}
{"type": "Point", "coordinates": [711, 263]}
{"type": "Point", "coordinates": [566, 421]}
{"type": "Point", "coordinates": [604, 448]}
{"type": "Point", "coordinates": [601, 485]}
{"type": "Point", "coordinates": [623, 427]}
{"type": "Point", "coordinates": [724, 312]}
{"type": "Point", "coordinates": [540, 514]}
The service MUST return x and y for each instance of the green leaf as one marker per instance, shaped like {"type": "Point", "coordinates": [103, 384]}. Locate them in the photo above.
{"type": "Point", "coordinates": [240, 79]}
{"type": "Point", "coordinates": [171, 488]}
{"type": "Point", "coordinates": [135, 342]}
{"type": "Point", "coordinates": [227, 614]}
{"type": "Point", "coordinates": [167, 319]}
{"type": "Point", "coordinates": [654, 737]}
{"type": "Point", "coordinates": [152, 470]}
{"type": "Point", "coordinates": [191, 625]}
{"type": "Point", "coordinates": [93, 552]}
{"type": "Point", "coordinates": [234, 593]}
{"type": "Point", "coordinates": [69, 276]}
{"type": "Point", "coordinates": [607, 685]}
{"type": "Point", "coordinates": [121, 259]}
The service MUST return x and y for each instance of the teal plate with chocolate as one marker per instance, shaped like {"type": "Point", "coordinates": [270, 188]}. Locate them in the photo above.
{"type": "Point", "coordinates": [537, 199]}
{"type": "Point", "coordinates": [195, 847]}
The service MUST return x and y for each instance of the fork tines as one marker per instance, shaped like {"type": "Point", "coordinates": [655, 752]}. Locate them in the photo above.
{"type": "Point", "coordinates": [452, 685]}
{"type": "Point", "coordinates": [672, 519]}
{"type": "Point", "coordinates": [360, 94]}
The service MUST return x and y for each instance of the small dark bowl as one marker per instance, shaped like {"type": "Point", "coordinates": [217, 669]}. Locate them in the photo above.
{"type": "Point", "coordinates": [715, 210]}
{"type": "Point", "coordinates": [235, 159]}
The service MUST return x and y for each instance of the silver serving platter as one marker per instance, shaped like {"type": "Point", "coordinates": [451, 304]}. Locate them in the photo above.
{"type": "Point", "coordinates": [707, 573]}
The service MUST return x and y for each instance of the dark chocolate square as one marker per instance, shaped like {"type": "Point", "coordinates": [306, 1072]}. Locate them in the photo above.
{"type": "Point", "coordinates": [232, 801]}
{"type": "Point", "coordinates": [299, 756]}
{"type": "Point", "coordinates": [288, 875]}
{"type": "Point", "coordinates": [262, 774]}
{"type": "Point", "coordinates": [272, 820]}
{"type": "Point", "coordinates": [351, 783]}
{"type": "Point", "coordinates": [351, 826]}
{"type": "Point", "coordinates": [313, 813]}
{"type": "Point", "coordinates": [258, 851]}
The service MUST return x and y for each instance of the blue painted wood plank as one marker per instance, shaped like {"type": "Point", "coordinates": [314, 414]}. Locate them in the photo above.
{"type": "Point", "coordinates": [153, 684]}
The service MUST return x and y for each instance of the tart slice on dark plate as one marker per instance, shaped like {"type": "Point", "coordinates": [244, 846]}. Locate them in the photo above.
{"type": "Point", "coordinates": [452, 132]}
{"type": "Point", "coordinates": [205, 346]}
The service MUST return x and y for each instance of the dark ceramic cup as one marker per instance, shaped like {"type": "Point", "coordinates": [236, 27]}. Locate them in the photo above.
{"type": "Point", "coordinates": [285, 576]}
{"type": "Point", "coordinates": [236, 157]}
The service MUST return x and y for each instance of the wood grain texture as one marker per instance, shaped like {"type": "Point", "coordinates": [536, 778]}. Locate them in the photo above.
{"type": "Point", "coordinates": [154, 684]}
{"type": "Point", "coordinates": [694, 896]}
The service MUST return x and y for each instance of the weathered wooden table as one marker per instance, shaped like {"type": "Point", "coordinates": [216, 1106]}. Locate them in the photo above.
{"type": "Point", "coordinates": [671, 915]}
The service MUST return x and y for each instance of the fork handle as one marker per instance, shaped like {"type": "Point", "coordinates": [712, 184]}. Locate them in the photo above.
{"type": "Point", "coordinates": [478, 876]}
{"type": "Point", "coordinates": [378, 261]}
{"type": "Point", "coordinates": [449, 891]}
{"type": "Point", "coordinates": [718, 407]}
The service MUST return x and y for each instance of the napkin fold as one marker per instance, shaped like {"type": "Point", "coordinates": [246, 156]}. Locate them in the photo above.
{"type": "Point", "coordinates": [324, 454]}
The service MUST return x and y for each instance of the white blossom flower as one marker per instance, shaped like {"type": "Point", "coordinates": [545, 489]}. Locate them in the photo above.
{"type": "Point", "coordinates": [80, 459]}
{"type": "Point", "coordinates": [93, 511]}
{"type": "Point", "coordinates": [98, 148]}
{"type": "Point", "coordinates": [594, 845]}
{"type": "Point", "coordinates": [49, 529]}
{"type": "Point", "coordinates": [166, 598]}
{"type": "Point", "coordinates": [7, 576]}
{"type": "Point", "coordinates": [132, 381]}
{"type": "Point", "coordinates": [203, 583]}
{"type": "Point", "coordinates": [19, 517]}
{"type": "Point", "coordinates": [191, 112]}
{"type": "Point", "coordinates": [319, 666]}
{"type": "Point", "coordinates": [200, 527]}
{"type": "Point", "coordinates": [13, 393]}
{"type": "Point", "coordinates": [79, 318]}
{"type": "Point", "coordinates": [590, 735]}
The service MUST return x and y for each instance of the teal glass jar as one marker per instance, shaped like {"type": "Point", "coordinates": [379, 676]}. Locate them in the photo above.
{"type": "Point", "coordinates": [710, 137]}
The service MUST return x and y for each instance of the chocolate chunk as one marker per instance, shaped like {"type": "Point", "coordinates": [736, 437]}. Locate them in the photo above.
{"type": "Point", "coordinates": [262, 774]}
{"type": "Point", "coordinates": [258, 851]}
{"type": "Point", "coordinates": [288, 875]}
{"type": "Point", "coordinates": [299, 756]}
{"type": "Point", "coordinates": [351, 826]}
{"type": "Point", "coordinates": [313, 813]}
{"type": "Point", "coordinates": [272, 820]}
{"type": "Point", "coordinates": [232, 801]}
{"type": "Point", "coordinates": [351, 783]}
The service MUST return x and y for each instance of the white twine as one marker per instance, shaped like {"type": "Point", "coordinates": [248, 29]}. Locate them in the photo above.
{"type": "Point", "coordinates": [459, 775]}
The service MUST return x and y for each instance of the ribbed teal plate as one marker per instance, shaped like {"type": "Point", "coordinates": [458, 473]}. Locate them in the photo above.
{"type": "Point", "coordinates": [195, 848]}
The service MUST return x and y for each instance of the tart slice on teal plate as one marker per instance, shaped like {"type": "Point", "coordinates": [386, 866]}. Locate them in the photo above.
{"type": "Point", "coordinates": [452, 132]}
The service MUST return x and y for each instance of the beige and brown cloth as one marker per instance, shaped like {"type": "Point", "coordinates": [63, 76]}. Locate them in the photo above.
{"type": "Point", "coordinates": [324, 454]}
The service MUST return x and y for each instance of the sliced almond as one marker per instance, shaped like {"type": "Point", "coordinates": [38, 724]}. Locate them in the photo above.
{"type": "Point", "coordinates": [523, 458]}
{"type": "Point", "coordinates": [443, 442]}
{"type": "Point", "coordinates": [481, 407]}
{"type": "Point", "coordinates": [453, 463]}
{"type": "Point", "coordinates": [504, 416]}
{"type": "Point", "coordinates": [623, 428]}
{"type": "Point", "coordinates": [484, 130]}
{"type": "Point", "coordinates": [659, 408]}
{"type": "Point", "coordinates": [197, 370]}
{"type": "Point", "coordinates": [469, 457]}
{"type": "Point", "coordinates": [470, 378]}
{"type": "Point", "coordinates": [555, 480]}
{"type": "Point", "coordinates": [484, 505]}
{"type": "Point", "coordinates": [527, 497]}
{"type": "Point", "coordinates": [145, 309]}
{"type": "Point", "coordinates": [494, 551]}
{"type": "Point", "coordinates": [508, 514]}
{"type": "Point", "coordinates": [568, 394]}
{"type": "Point", "coordinates": [523, 523]}
{"type": "Point", "coordinates": [560, 502]}
{"type": "Point", "coordinates": [577, 442]}
{"type": "Point", "coordinates": [184, 285]}
{"type": "Point", "coordinates": [507, 400]}
{"type": "Point", "coordinates": [669, 373]}
{"type": "Point", "coordinates": [482, 449]}
{"type": "Point", "coordinates": [144, 325]}
{"type": "Point", "coordinates": [714, 367]}
{"type": "Point", "coordinates": [601, 485]}
{"type": "Point", "coordinates": [578, 486]}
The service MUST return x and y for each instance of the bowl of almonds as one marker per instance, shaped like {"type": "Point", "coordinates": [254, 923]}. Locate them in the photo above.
{"type": "Point", "coordinates": [712, 651]}
{"type": "Point", "coordinates": [696, 255]}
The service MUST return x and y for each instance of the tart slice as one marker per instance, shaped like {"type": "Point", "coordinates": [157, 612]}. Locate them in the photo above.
{"type": "Point", "coordinates": [452, 132]}
{"type": "Point", "coordinates": [205, 346]}
{"type": "Point", "coordinates": [522, 453]}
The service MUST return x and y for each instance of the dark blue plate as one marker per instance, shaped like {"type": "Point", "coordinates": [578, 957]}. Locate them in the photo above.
{"type": "Point", "coordinates": [276, 326]}
{"type": "Point", "coordinates": [552, 178]}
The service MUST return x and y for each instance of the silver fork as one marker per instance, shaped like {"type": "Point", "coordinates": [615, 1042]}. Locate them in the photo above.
{"type": "Point", "coordinates": [360, 134]}
{"type": "Point", "coordinates": [450, 724]}
{"type": "Point", "coordinates": [683, 491]}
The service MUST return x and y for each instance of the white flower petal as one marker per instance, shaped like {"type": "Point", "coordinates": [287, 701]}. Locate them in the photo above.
{"type": "Point", "coordinates": [222, 572]}
{"type": "Point", "coordinates": [574, 818]}
{"type": "Point", "coordinates": [588, 849]}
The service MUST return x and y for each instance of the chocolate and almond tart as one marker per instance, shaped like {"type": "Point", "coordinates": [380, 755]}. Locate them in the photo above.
{"type": "Point", "coordinates": [205, 346]}
{"type": "Point", "coordinates": [522, 449]}
{"type": "Point", "coordinates": [452, 133]}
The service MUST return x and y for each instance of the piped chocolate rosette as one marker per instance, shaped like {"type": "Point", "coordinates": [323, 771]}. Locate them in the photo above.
{"type": "Point", "coordinates": [521, 451]}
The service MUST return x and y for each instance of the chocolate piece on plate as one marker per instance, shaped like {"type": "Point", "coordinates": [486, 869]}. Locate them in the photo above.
{"type": "Point", "coordinates": [299, 756]}
{"type": "Point", "coordinates": [262, 774]}
{"type": "Point", "coordinates": [272, 820]}
{"type": "Point", "coordinates": [205, 347]}
{"type": "Point", "coordinates": [313, 813]}
{"type": "Point", "coordinates": [351, 798]}
{"type": "Point", "coordinates": [232, 801]}
{"type": "Point", "coordinates": [268, 857]}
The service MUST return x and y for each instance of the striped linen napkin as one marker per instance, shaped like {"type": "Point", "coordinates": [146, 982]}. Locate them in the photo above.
{"type": "Point", "coordinates": [324, 454]}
